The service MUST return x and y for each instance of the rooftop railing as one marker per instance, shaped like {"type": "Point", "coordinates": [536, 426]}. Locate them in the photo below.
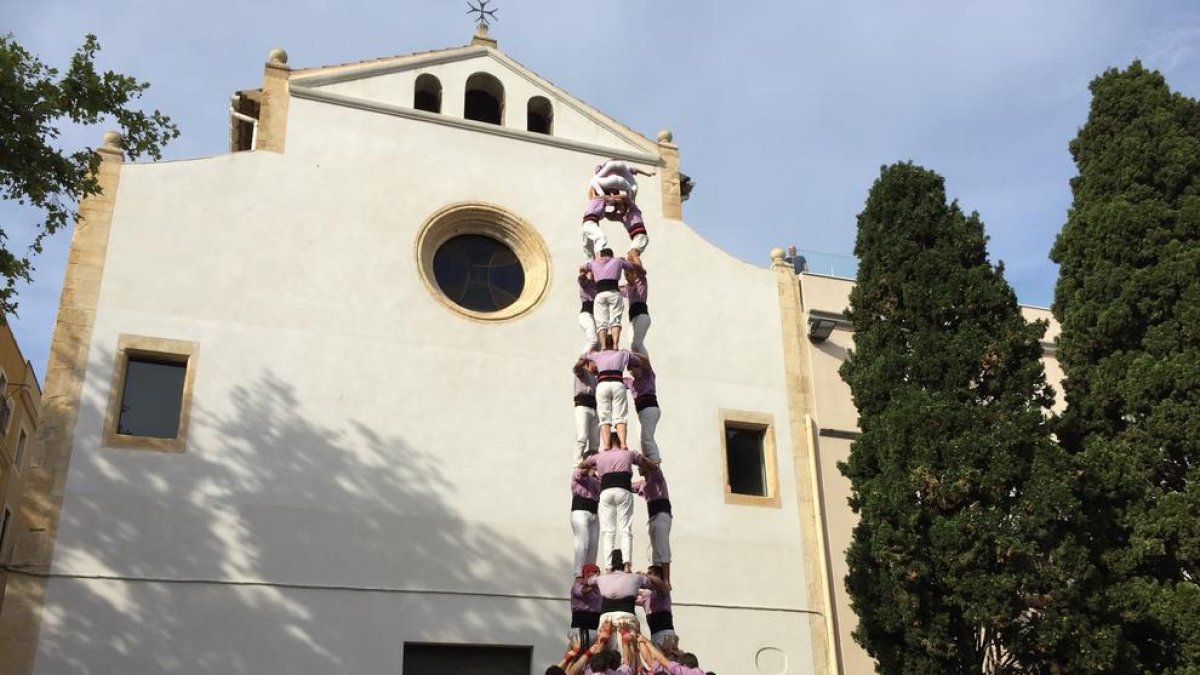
{"type": "Point", "coordinates": [815, 262]}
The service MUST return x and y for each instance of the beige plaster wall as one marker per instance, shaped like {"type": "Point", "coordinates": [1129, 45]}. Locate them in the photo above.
{"type": "Point", "coordinates": [835, 414]}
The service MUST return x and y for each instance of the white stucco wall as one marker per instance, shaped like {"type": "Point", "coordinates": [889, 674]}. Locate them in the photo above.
{"type": "Point", "coordinates": [397, 89]}
{"type": "Point", "coordinates": [364, 466]}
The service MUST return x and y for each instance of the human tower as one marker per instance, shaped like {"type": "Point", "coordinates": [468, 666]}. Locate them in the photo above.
{"type": "Point", "coordinates": [606, 635]}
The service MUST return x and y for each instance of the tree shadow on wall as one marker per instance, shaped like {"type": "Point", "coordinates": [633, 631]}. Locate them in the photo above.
{"type": "Point", "coordinates": [275, 544]}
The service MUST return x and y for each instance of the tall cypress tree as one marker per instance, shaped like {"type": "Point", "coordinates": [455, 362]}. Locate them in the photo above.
{"type": "Point", "coordinates": [1128, 300]}
{"type": "Point", "coordinates": [963, 560]}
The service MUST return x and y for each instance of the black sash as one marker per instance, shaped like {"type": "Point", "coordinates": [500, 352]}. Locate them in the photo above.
{"type": "Point", "coordinates": [660, 621]}
{"type": "Point", "coordinates": [617, 605]}
{"type": "Point", "coordinates": [657, 506]}
{"type": "Point", "coordinates": [606, 285]}
{"type": "Point", "coordinates": [645, 401]}
{"type": "Point", "coordinates": [611, 376]}
{"type": "Point", "coordinates": [588, 620]}
{"type": "Point", "coordinates": [638, 309]}
{"type": "Point", "coordinates": [585, 400]}
{"type": "Point", "coordinates": [588, 306]}
{"type": "Point", "coordinates": [617, 479]}
{"type": "Point", "coordinates": [590, 505]}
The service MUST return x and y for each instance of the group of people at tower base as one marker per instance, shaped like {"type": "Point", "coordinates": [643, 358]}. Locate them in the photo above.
{"type": "Point", "coordinates": [606, 635]}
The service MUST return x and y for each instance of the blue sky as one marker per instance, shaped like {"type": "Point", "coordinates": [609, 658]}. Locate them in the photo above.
{"type": "Point", "coordinates": [784, 111]}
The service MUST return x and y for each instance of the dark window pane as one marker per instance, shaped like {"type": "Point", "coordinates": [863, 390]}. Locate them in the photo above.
{"type": "Point", "coordinates": [427, 94]}
{"type": "Point", "coordinates": [482, 107]}
{"type": "Point", "coordinates": [745, 461]}
{"type": "Point", "coordinates": [478, 273]}
{"type": "Point", "coordinates": [466, 660]}
{"type": "Point", "coordinates": [538, 123]}
{"type": "Point", "coordinates": [152, 399]}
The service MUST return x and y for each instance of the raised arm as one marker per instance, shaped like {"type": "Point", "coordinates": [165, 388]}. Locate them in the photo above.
{"type": "Point", "coordinates": [657, 584]}
{"type": "Point", "coordinates": [652, 653]}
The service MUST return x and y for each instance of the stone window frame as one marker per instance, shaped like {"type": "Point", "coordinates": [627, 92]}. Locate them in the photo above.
{"type": "Point", "coordinates": [178, 351]}
{"type": "Point", "coordinates": [8, 519]}
{"type": "Point", "coordinates": [19, 452]}
{"type": "Point", "coordinates": [496, 222]}
{"type": "Point", "coordinates": [765, 422]}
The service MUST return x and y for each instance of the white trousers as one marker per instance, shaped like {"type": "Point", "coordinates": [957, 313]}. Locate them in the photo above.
{"type": "Point", "coordinates": [640, 242]}
{"type": "Point", "coordinates": [581, 638]}
{"type": "Point", "coordinates": [641, 324]}
{"type": "Point", "coordinates": [660, 538]}
{"type": "Point", "coordinates": [616, 524]}
{"type": "Point", "coordinates": [648, 420]}
{"type": "Point", "coordinates": [611, 403]}
{"type": "Point", "coordinates": [665, 639]}
{"type": "Point", "coordinates": [594, 239]}
{"type": "Point", "coordinates": [618, 619]}
{"type": "Point", "coordinates": [591, 342]}
{"type": "Point", "coordinates": [587, 431]}
{"type": "Point", "coordinates": [608, 309]}
{"type": "Point", "coordinates": [585, 525]}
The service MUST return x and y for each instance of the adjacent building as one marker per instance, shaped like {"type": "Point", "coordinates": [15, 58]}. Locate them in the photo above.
{"type": "Point", "coordinates": [308, 401]}
{"type": "Point", "coordinates": [20, 397]}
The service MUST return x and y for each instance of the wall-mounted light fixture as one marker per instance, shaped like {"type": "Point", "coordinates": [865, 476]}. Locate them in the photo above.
{"type": "Point", "coordinates": [819, 329]}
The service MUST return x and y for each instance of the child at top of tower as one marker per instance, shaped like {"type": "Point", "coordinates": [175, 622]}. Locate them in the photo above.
{"type": "Point", "coordinates": [612, 194]}
{"type": "Point", "coordinates": [613, 177]}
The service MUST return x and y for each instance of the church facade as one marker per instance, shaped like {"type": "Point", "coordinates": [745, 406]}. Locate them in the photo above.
{"type": "Point", "coordinates": [290, 426]}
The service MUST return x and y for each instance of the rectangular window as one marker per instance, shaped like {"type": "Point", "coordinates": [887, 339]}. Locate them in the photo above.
{"type": "Point", "coordinates": [438, 659]}
{"type": "Point", "coordinates": [150, 400]}
{"type": "Point", "coordinates": [5, 404]}
{"type": "Point", "coordinates": [4, 526]}
{"type": "Point", "coordinates": [748, 441]}
{"type": "Point", "coordinates": [744, 461]}
{"type": "Point", "coordinates": [19, 456]}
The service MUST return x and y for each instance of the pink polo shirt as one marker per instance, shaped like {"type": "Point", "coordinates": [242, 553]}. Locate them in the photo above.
{"type": "Point", "coordinates": [585, 382]}
{"type": "Point", "coordinates": [676, 669]}
{"type": "Point", "coordinates": [636, 290]}
{"type": "Point", "coordinates": [584, 597]}
{"type": "Point", "coordinates": [615, 585]}
{"type": "Point", "coordinates": [587, 289]}
{"type": "Point", "coordinates": [653, 487]}
{"type": "Point", "coordinates": [645, 383]}
{"type": "Point", "coordinates": [608, 269]}
{"type": "Point", "coordinates": [584, 484]}
{"type": "Point", "coordinates": [612, 359]}
{"type": "Point", "coordinates": [616, 460]}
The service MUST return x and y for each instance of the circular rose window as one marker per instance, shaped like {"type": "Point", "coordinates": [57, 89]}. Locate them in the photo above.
{"type": "Point", "coordinates": [478, 273]}
{"type": "Point", "coordinates": [483, 261]}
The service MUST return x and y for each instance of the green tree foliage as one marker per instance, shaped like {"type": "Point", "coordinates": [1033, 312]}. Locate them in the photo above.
{"type": "Point", "coordinates": [963, 560]}
{"type": "Point", "coordinates": [1128, 300]}
{"type": "Point", "coordinates": [35, 101]}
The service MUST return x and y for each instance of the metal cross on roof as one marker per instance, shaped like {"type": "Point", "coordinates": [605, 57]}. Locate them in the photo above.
{"type": "Point", "coordinates": [484, 13]}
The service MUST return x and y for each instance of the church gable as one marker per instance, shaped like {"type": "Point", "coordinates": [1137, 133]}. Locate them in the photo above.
{"type": "Point", "coordinates": [478, 88]}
